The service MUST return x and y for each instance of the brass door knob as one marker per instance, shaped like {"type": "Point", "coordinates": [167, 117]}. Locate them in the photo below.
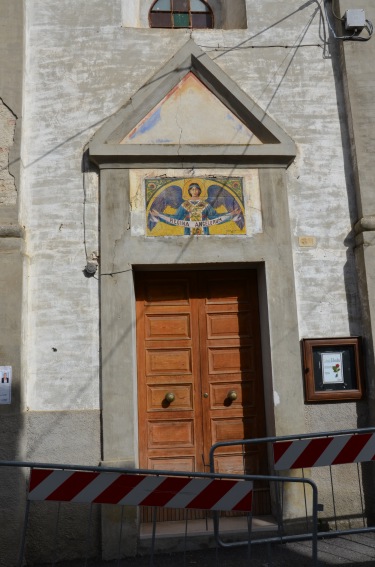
{"type": "Point", "coordinates": [232, 395]}
{"type": "Point", "coordinates": [169, 397]}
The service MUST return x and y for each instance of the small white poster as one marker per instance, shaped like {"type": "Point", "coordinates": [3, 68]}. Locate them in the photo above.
{"type": "Point", "coordinates": [5, 385]}
{"type": "Point", "coordinates": [332, 367]}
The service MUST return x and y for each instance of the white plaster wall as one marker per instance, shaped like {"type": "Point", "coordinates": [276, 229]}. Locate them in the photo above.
{"type": "Point", "coordinates": [130, 11]}
{"type": "Point", "coordinates": [81, 66]}
{"type": "Point", "coordinates": [8, 193]}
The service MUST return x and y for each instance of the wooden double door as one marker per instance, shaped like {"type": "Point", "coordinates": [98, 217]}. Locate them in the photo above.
{"type": "Point", "coordinates": [199, 371]}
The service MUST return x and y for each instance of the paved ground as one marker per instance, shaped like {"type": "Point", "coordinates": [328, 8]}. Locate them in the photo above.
{"type": "Point", "coordinates": [351, 551]}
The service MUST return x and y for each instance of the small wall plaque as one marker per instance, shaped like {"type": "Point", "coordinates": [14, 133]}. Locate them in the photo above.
{"type": "Point", "coordinates": [332, 369]}
{"type": "Point", "coordinates": [5, 385]}
{"type": "Point", "coordinates": [307, 241]}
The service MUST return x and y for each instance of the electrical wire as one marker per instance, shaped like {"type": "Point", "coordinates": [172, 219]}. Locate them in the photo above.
{"type": "Point", "coordinates": [258, 46]}
{"type": "Point", "coordinates": [335, 15]}
{"type": "Point", "coordinates": [354, 37]}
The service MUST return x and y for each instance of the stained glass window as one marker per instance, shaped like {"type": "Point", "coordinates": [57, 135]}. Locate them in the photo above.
{"type": "Point", "coordinates": [198, 6]}
{"type": "Point", "coordinates": [181, 14]}
{"type": "Point", "coordinates": [180, 5]}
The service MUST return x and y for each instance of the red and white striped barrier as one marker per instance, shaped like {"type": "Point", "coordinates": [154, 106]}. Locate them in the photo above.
{"type": "Point", "coordinates": [140, 490]}
{"type": "Point", "coordinates": [324, 451]}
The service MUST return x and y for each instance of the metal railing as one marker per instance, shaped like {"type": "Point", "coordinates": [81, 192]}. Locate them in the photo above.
{"type": "Point", "coordinates": [349, 447]}
{"type": "Point", "coordinates": [91, 486]}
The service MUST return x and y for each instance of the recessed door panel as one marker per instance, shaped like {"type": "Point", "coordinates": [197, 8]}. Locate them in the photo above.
{"type": "Point", "coordinates": [174, 292]}
{"type": "Point", "coordinates": [159, 433]}
{"type": "Point", "coordinates": [228, 325]}
{"type": "Point", "coordinates": [220, 392]}
{"type": "Point", "coordinates": [224, 290]}
{"type": "Point", "coordinates": [168, 361]}
{"type": "Point", "coordinates": [158, 397]}
{"type": "Point", "coordinates": [172, 464]}
{"type": "Point", "coordinates": [167, 327]}
{"type": "Point", "coordinates": [230, 359]}
{"type": "Point", "coordinates": [229, 428]}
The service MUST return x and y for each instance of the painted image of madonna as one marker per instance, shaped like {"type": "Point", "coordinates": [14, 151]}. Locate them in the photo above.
{"type": "Point", "coordinates": [195, 207]}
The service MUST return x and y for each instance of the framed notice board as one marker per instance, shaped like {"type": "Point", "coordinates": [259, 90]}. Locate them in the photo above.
{"type": "Point", "coordinates": [332, 369]}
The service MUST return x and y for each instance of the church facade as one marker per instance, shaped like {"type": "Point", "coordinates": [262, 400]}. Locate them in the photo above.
{"type": "Point", "coordinates": [186, 229]}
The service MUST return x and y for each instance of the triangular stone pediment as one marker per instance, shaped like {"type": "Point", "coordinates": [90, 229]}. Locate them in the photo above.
{"type": "Point", "coordinates": [191, 113]}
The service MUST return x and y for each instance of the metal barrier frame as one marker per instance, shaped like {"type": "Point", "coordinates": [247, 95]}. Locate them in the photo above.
{"type": "Point", "coordinates": [196, 475]}
{"type": "Point", "coordinates": [301, 537]}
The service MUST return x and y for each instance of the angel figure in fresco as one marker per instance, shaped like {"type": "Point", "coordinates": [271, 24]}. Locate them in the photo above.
{"type": "Point", "coordinates": [195, 215]}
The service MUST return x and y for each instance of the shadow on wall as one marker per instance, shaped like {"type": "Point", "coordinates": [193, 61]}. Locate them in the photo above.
{"type": "Point", "coordinates": [12, 424]}
{"type": "Point", "coordinates": [12, 481]}
{"type": "Point", "coordinates": [354, 276]}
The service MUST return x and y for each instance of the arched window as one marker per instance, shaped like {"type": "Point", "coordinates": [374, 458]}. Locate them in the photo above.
{"type": "Point", "coordinates": [181, 14]}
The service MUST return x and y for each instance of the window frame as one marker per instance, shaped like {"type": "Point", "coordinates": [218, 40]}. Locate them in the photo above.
{"type": "Point", "coordinates": [190, 13]}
